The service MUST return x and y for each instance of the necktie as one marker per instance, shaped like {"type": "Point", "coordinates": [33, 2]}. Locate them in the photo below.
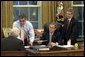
{"type": "Point", "coordinates": [68, 22]}
{"type": "Point", "coordinates": [22, 35]}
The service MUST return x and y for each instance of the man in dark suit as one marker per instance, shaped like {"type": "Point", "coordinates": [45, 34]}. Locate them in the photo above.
{"type": "Point", "coordinates": [70, 28]}
{"type": "Point", "coordinates": [11, 43]}
{"type": "Point", "coordinates": [59, 27]}
{"type": "Point", "coordinates": [53, 36]}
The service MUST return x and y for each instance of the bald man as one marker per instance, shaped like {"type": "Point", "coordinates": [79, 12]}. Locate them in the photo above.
{"type": "Point", "coordinates": [11, 43]}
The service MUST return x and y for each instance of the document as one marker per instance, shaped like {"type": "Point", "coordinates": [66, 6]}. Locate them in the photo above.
{"type": "Point", "coordinates": [69, 42]}
{"type": "Point", "coordinates": [65, 46]}
{"type": "Point", "coordinates": [26, 46]}
{"type": "Point", "coordinates": [41, 49]}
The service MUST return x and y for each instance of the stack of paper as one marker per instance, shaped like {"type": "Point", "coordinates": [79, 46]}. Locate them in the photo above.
{"type": "Point", "coordinates": [26, 46]}
{"type": "Point", "coordinates": [65, 46]}
{"type": "Point", "coordinates": [41, 49]}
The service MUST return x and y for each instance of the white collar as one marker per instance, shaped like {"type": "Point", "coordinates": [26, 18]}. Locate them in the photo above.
{"type": "Point", "coordinates": [51, 33]}
{"type": "Point", "coordinates": [69, 19]}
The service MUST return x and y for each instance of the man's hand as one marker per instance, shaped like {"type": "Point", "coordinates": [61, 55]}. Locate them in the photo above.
{"type": "Point", "coordinates": [51, 44]}
{"type": "Point", "coordinates": [31, 43]}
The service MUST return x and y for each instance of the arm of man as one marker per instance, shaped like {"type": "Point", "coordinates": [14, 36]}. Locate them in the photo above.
{"type": "Point", "coordinates": [74, 34]}
{"type": "Point", "coordinates": [16, 24]}
{"type": "Point", "coordinates": [31, 34]}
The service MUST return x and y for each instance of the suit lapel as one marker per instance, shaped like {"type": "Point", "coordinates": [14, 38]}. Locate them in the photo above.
{"type": "Point", "coordinates": [70, 25]}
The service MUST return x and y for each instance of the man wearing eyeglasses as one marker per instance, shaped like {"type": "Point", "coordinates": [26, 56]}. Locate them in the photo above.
{"type": "Point", "coordinates": [27, 32]}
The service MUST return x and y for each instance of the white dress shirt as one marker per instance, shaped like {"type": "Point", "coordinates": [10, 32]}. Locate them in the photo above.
{"type": "Point", "coordinates": [69, 20]}
{"type": "Point", "coordinates": [28, 29]}
{"type": "Point", "coordinates": [50, 37]}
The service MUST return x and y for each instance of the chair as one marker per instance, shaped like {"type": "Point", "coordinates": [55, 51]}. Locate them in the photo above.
{"type": "Point", "coordinates": [6, 31]}
{"type": "Point", "coordinates": [13, 53]}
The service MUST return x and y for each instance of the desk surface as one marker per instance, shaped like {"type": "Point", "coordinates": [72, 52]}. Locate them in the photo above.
{"type": "Point", "coordinates": [13, 53]}
{"type": "Point", "coordinates": [75, 52]}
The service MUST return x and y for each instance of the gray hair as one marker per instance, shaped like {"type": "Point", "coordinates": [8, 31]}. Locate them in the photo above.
{"type": "Point", "coordinates": [14, 32]}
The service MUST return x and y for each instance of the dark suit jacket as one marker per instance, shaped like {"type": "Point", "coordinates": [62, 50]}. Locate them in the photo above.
{"type": "Point", "coordinates": [56, 37]}
{"type": "Point", "coordinates": [11, 44]}
{"type": "Point", "coordinates": [71, 32]}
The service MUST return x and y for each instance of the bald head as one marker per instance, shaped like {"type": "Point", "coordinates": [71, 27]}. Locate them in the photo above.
{"type": "Point", "coordinates": [14, 32]}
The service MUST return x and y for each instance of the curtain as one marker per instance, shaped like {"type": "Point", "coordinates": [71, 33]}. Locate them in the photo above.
{"type": "Point", "coordinates": [6, 15]}
{"type": "Point", "coordinates": [48, 11]}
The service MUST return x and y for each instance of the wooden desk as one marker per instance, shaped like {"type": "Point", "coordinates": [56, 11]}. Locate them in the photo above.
{"type": "Point", "coordinates": [13, 53]}
{"type": "Point", "coordinates": [78, 52]}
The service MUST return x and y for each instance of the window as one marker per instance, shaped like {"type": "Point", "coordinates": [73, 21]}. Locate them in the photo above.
{"type": "Point", "coordinates": [30, 9]}
{"type": "Point", "coordinates": [25, 2]}
{"type": "Point", "coordinates": [77, 2]}
{"type": "Point", "coordinates": [78, 7]}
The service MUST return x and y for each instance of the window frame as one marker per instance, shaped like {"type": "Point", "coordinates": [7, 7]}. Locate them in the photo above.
{"type": "Point", "coordinates": [39, 11]}
{"type": "Point", "coordinates": [81, 37]}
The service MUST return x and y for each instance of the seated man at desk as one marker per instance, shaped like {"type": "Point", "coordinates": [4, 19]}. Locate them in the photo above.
{"type": "Point", "coordinates": [53, 37]}
{"type": "Point", "coordinates": [11, 43]}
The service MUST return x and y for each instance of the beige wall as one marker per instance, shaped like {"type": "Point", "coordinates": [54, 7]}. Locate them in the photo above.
{"type": "Point", "coordinates": [48, 11]}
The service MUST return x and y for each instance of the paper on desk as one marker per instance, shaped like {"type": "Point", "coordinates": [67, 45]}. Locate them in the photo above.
{"type": "Point", "coordinates": [44, 49]}
{"type": "Point", "coordinates": [69, 42]}
{"type": "Point", "coordinates": [42, 41]}
{"type": "Point", "coordinates": [65, 46]}
{"type": "Point", "coordinates": [26, 46]}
